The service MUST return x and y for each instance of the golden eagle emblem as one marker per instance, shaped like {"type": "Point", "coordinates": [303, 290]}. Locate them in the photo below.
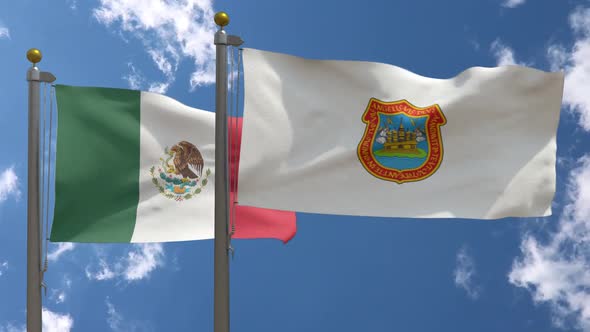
{"type": "Point", "coordinates": [187, 160]}
{"type": "Point", "coordinates": [183, 179]}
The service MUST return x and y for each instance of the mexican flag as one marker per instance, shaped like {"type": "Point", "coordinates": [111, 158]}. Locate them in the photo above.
{"type": "Point", "coordinates": [134, 166]}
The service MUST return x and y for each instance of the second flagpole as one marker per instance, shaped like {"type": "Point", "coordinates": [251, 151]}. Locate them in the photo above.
{"type": "Point", "coordinates": [221, 244]}
{"type": "Point", "coordinates": [34, 275]}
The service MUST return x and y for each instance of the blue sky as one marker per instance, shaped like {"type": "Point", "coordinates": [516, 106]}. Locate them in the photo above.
{"type": "Point", "coordinates": [338, 273]}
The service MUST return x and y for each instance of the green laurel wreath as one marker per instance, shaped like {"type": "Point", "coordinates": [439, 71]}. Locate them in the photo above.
{"type": "Point", "coordinates": [162, 190]}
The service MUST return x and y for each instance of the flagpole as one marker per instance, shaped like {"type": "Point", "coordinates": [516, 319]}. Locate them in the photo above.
{"type": "Point", "coordinates": [34, 77]}
{"type": "Point", "coordinates": [221, 246]}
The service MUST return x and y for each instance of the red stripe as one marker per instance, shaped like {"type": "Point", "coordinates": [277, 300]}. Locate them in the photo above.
{"type": "Point", "coordinates": [252, 222]}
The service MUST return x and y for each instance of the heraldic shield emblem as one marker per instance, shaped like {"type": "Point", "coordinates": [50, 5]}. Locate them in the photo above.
{"type": "Point", "coordinates": [402, 142]}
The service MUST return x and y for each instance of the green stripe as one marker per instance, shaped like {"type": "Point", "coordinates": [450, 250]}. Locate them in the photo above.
{"type": "Point", "coordinates": [97, 164]}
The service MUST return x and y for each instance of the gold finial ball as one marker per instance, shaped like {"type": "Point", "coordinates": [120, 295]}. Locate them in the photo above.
{"type": "Point", "coordinates": [34, 55]}
{"type": "Point", "coordinates": [221, 19]}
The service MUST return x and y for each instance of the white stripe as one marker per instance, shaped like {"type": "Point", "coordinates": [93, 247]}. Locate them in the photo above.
{"type": "Point", "coordinates": [164, 123]}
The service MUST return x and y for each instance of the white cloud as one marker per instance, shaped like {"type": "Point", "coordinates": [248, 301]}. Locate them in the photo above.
{"type": "Point", "coordinates": [8, 184]}
{"type": "Point", "coordinates": [142, 261]}
{"type": "Point", "coordinates": [159, 87]}
{"type": "Point", "coordinates": [61, 249]}
{"type": "Point", "coordinates": [114, 319]}
{"type": "Point", "coordinates": [513, 3]}
{"type": "Point", "coordinates": [556, 271]}
{"type": "Point", "coordinates": [580, 21]}
{"type": "Point", "coordinates": [170, 32]}
{"type": "Point", "coordinates": [51, 322]}
{"type": "Point", "coordinates": [557, 56]}
{"type": "Point", "coordinates": [4, 32]}
{"type": "Point", "coordinates": [73, 4]}
{"type": "Point", "coordinates": [118, 323]}
{"type": "Point", "coordinates": [504, 54]}
{"type": "Point", "coordinates": [465, 272]}
{"type": "Point", "coordinates": [136, 81]}
{"type": "Point", "coordinates": [103, 273]}
{"type": "Point", "coordinates": [3, 267]}
{"type": "Point", "coordinates": [55, 322]}
{"type": "Point", "coordinates": [163, 63]}
{"type": "Point", "coordinates": [9, 327]}
{"type": "Point", "coordinates": [576, 64]}
{"type": "Point", "coordinates": [138, 264]}
{"type": "Point", "coordinates": [475, 44]}
{"type": "Point", "coordinates": [134, 78]}
{"type": "Point", "coordinates": [59, 295]}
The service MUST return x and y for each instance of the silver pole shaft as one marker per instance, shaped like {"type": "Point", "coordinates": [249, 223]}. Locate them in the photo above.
{"type": "Point", "coordinates": [33, 213]}
{"type": "Point", "coordinates": [221, 259]}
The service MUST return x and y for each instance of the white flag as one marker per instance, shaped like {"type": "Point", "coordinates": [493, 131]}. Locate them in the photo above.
{"type": "Point", "coordinates": [362, 138]}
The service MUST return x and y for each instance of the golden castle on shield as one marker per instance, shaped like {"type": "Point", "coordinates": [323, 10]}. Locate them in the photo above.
{"type": "Point", "coordinates": [402, 140]}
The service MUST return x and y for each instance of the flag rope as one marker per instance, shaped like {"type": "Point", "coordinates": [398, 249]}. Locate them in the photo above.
{"type": "Point", "coordinates": [236, 169]}
{"type": "Point", "coordinates": [232, 156]}
{"type": "Point", "coordinates": [49, 171]}
{"type": "Point", "coordinates": [45, 178]}
{"type": "Point", "coordinates": [42, 134]}
{"type": "Point", "coordinates": [232, 137]}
